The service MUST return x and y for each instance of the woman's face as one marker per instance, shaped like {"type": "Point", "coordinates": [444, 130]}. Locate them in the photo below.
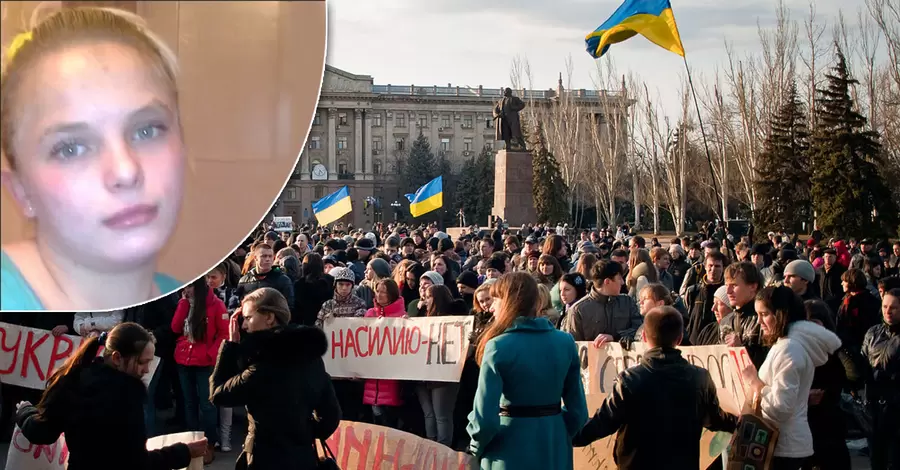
{"type": "Point", "coordinates": [876, 271]}
{"type": "Point", "coordinates": [766, 318]}
{"type": "Point", "coordinates": [438, 266]}
{"type": "Point", "coordinates": [424, 284]}
{"type": "Point", "coordinates": [567, 293]}
{"type": "Point", "coordinates": [370, 273]}
{"type": "Point", "coordinates": [545, 268]}
{"type": "Point", "coordinates": [485, 300]}
{"type": "Point", "coordinates": [215, 279]}
{"type": "Point", "coordinates": [99, 155]}
{"type": "Point", "coordinates": [254, 320]}
{"type": "Point", "coordinates": [411, 280]}
{"type": "Point", "coordinates": [427, 298]}
{"type": "Point", "coordinates": [720, 309]}
{"type": "Point", "coordinates": [343, 288]}
{"type": "Point", "coordinates": [646, 303]}
{"type": "Point", "coordinates": [138, 366]}
{"type": "Point", "coordinates": [532, 264]}
{"type": "Point", "coordinates": [381, 295]}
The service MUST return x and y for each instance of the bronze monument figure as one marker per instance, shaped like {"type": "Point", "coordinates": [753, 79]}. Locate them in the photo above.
{"type": "Point", "coordinates": [509, 128]}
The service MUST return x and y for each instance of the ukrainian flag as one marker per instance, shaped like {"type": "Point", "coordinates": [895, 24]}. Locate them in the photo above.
{"type": "Point", "coordinates": [427, 198]}
{"type": "Point", "coordinates": [653, 19]}
{"type": "Point", "coordinates": [333, 206]}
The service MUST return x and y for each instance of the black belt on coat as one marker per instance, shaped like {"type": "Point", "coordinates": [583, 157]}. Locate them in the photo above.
{"type": "Point", "coordinates": [537, 411]}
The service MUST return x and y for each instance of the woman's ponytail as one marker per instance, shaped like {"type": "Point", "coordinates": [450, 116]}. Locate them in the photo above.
{"type": "Point", "coordinates": [71, 369]}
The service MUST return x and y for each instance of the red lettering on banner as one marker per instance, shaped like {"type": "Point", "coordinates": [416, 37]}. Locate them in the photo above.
{"type": "Point", "coordinates": [56, 355]}
{"type": "Point", "coordinates": [351, 343]}
{"type": "Point", "coordinates": [21, 443]}
{"type": "Point", "coordinates": [382, 457]}
{"type": "Point", "coordinates": [351, 442]}
{"type": "Point", "coordinates": [30, 356]}
{"type": "Point", "coordinates": [14, 350]}
{"type": "Point", "coordinates": [363, 351]}
{"type": "Point", "coordinates": [739, 363]}
{"type": "Point", "coordinates": [399, 342]}
{"type": "Point", "coordinates": [431, 453]}
{"type": "Point", "coordinates": [378, 337]}
{"type": "Point", "coordinates": [417, 342]}
{"type": "Point", "coordinates": [337, 343]}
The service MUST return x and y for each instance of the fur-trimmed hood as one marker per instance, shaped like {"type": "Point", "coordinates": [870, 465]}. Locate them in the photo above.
{"type": "Point", "coordinates": [292, 343]}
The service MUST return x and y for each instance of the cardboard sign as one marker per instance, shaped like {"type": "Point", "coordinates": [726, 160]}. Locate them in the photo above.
{"type": "Point", "coordinates": [283, 224]}
{"type": "Point", "coordinates": [159, 442]}
{"type": "Point", "coordinates": [359, 446]}
{"type": "Point", "coordinates": [29, 355]}
{"type": "Point", "coordinates": [429, 349]}
{"type": "Point", "coordinates": [24, 455]}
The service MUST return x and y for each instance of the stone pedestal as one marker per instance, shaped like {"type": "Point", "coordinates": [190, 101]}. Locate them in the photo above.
{"type": "Point", "coordinates": [513, 200]}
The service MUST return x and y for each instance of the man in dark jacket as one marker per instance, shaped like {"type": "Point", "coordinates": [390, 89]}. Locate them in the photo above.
{"type": "Point", "coordinates": [659, 407]}
{"type": "Point", "coordinates": [744, 281]}
{"type": "Point", "coordinates": [604, 315]}
{"type": "Point", "coordinates": [699, 297]}
{"type": "Point", "coordinates": [830, 287]}
{"type": "Point", "coordinates": [265, 274]}
{"type": "Point", "coordinates": [881, 349]}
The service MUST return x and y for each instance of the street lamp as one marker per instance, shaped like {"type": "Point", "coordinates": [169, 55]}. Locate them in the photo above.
{"type": "Point", "coordinates": [396, 206]}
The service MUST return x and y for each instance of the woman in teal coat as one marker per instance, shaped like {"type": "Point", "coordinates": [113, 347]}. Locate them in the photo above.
{"type": "Point", "coordinates": [527, 368]}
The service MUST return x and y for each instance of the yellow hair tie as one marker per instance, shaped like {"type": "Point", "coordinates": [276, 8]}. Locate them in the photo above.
{"type": "Point", "coordinates": [17, 44]}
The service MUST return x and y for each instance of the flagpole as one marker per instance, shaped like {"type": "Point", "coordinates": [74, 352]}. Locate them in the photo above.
{"type": "Point", "coordinates": [703, 134]}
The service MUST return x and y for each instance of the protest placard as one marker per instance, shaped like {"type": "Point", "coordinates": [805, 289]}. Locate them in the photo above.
{"type": "Point", "coordinates": [31, 355]}
{"type": "Point", "coordinates": [159, 442]}
{"type": "Point", "coordinates": [360, 446]}
{"type": "Point", "coordinates": [23, 455]}
{"type": "Point", "coordinates": [283, 224]}
{"type": "Point", "coordinates": [430, 348]}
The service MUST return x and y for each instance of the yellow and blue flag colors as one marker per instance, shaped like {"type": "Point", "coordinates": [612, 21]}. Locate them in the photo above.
{"type": "Point", "coordinates": [652, 19]}
{"type": "Point", "coordinates": [333, 206]}
{"type": "Point", "coordinates": [427, 198]}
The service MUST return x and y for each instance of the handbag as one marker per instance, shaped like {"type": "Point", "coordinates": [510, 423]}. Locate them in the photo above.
{"type": "Point", "coordinates": [327, 461]}
{"type": "Point", "coordinates": [753, 442]}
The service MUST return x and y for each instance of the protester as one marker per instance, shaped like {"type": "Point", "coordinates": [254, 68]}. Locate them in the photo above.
{"type": "Point", "coordinates": [527, 368]}
{"type": "Point", "coordinates": [881, 349]}
{"type": "Point", "coordinates": [276, 370]}
{"type": "Point", "coordinates": [604, 315]}
{"type": "Point", "coordinates": [714, 332]}
{"type": "Point", "coordinates": [699, 298]}
{"type": "Point", "coordinates": [263, 274]}
{"type": "Point", "coordinates": [311, 290]}
{"type": "Point", "coordinates": [88, 396]}
{"type": "Point", "coordinates": [743, 281]}
{"type": "Point", "coordinates": [785, 377]}
{"type": "Point", "coordinates": [572, 288]}
{"type": "Point", "coordinates": [385, 396]}
{"type": "Point", "coordinates": [659, 408]}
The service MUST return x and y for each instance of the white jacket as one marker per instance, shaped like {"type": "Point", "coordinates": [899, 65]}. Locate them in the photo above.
{"type": "Point", "coordinates": [102, 321]}
{"type": "Point", "coordinates": [788, 374]}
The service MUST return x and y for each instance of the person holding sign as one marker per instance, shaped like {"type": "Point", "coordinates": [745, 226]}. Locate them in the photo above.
{"type": "Point", "coordinates": [659, 407]}
{"type": "Point", "coordinates": [101, 400]}
{"type": "Point", "coordinates": [527, 368]}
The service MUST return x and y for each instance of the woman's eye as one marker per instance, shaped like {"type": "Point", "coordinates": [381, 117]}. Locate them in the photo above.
{"type": "Point", "coordinates": [149, 132]}
{"type": "Point", "coordinates": [67, 150]}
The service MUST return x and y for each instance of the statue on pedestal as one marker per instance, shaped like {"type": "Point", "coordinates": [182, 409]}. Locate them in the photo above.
{"type": "Point", "coordinates": [509, 128]}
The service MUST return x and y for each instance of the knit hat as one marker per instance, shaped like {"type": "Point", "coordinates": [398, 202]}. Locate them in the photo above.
{"type": "Point", "coordinates": [722, 295]}
{"type": "Point", "coordinates": [365, 244]}
{"type": "Point", "coordinates": [496, 262]}
{"type": "Point", "coordinates": [801, 269]}
{"type": "Point", "coordinates": [342, 274]}
{"type": "Point", "coordinates": [468, 279]}
{"type": "Point", "coordinates": [381, 267]}
{"type": "Point", "coordinates": [434, 277]}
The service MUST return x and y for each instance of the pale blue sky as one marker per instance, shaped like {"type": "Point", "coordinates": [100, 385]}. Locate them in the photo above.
{"type": "Point", "coordinates": [473, 42]}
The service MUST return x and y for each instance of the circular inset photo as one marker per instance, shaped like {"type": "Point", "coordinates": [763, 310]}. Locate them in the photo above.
{"type": "Point", "coordinates": [142, 141]}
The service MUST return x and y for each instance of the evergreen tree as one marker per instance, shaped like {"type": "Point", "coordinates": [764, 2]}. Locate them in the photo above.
{"type": "Point", "coordinates": [848, 180]}
{"type": "Point", "coordinates": [784, 170]}
{"type": "Point", "coordinates": [467, 192]}
{"type": "Point", "coordinates": [417, 167]}
{"type": "Point", "coordinates": [548, 189]}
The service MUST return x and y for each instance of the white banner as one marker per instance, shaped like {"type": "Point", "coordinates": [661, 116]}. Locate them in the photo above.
{"type": "Point", "coordinates": [429, 348]}
{"type": "Point", "coordinates": [30, 355]}
{"type": "Point", "coordinates": [283, 224]}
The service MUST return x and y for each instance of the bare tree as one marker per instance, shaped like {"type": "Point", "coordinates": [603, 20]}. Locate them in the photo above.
{"type": "Point", "coordinates": [815, 53]}
{"type": "Point", "coordinates": [886, 14]}
{"type": "Point", "coordinates": [608, 136]}
{"type": "Point", "coordinates": [746, 148]}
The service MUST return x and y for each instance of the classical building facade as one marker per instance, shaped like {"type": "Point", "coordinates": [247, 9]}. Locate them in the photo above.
{"type": "Point", "coordinates": [360, 128]}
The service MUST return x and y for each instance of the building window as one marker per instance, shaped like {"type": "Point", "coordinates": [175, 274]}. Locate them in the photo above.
{"type": "Point", "coordinates": [399, 120]}
{"type": "Point", "coordinates": [400, 143]}
{"type": "Point", "coordinates": [376, 120]}
{"type": "Point", "coordinates": [342, 168]}
{"type": "Point", "coordinates": [315, 142]}
{"type": "Point", "coordinates": [342, 119]}
{"type": "Point", "coordinates": [292, 194]}
{"type": "Point", "coordinates": [377, 143]}
{"type": "Point", "coordinates": [445, 121]}
{"type": "Point", "coordinates": [342, 143]}
{"type": "Point", "coordinates": [376, 167]}
{"type": "Point", "coordinates": [319, 192]}
{"type": "Point", "coordinates": [445, 144]}
{"type": "Point", "coordinates": [422, 120]}
{"type": "Point", "coordinates": [489, 144]}
{"type": "Point", "coordinates": [467, 144]}
{"type": "Point", "coordinates": [317, 120]}
{"type": "Point", "coordinates": [488, 123]}
{"type": "Point", "coordinates": [467, 122]}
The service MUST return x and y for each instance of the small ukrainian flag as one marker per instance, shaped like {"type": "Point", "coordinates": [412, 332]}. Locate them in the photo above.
{"type": "Point", "coordinates": [652, 19]}
{"type": "Point", "coordinates": [427, 198]}
{"type": "Point", "coordinates": [333, 206]}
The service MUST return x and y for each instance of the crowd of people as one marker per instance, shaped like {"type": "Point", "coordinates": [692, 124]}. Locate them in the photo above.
{"type": "Point", "coordinates": [819, 320]}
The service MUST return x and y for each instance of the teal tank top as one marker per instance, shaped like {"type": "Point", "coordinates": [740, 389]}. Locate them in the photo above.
{"type": "Point", "coordinates": [17, 294]}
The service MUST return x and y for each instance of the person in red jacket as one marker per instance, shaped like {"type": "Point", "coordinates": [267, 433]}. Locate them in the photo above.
{"type": "Point", "coordinates": [385, 395]}
{"type": "Point", "coordinates": [201, 323]}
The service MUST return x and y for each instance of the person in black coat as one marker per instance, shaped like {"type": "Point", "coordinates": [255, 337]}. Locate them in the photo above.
{"type": "Point", "coordinates": [659, 407]}
{"type": "Point", "coordinates": [276, 370]}
{"type": "Point", "coordinates": [99, 404]}
{"type": "Point", "coordinates": [313, 289]}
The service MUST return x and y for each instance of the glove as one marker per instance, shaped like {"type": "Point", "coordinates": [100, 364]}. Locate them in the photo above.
{"type": "Point", "coordinates": [626, 341]}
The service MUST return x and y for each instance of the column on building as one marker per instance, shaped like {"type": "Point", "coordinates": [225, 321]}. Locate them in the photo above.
{"type": "Point", "coordinates": [357, 143]}
{"type": "Point", "coordinates": [332, 144]}
{"type": "Point", "coordinates": [303, 165]}
{"type": "Point", "coordinates": [367, 145]}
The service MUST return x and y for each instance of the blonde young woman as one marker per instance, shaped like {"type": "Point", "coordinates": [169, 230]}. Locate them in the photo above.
{"type": "Point", "coordinates": [97, 161]}
{"type": "Point", "coordinates": [527, 368]}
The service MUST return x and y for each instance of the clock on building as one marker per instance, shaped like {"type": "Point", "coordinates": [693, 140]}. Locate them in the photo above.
{"type": "Point", "coordinates": [319, 172]}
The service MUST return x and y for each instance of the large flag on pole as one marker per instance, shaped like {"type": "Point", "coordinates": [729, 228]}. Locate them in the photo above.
{"type": "Point", "coordinates": [427, 198]}
{"type": "Point", "coordinates": [652, 19]}
{"type": "Point", "coordinates": [333, 206]}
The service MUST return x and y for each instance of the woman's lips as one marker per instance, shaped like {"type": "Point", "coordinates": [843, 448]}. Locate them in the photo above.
{"type": "Point", "coordinates": [132, 217]}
